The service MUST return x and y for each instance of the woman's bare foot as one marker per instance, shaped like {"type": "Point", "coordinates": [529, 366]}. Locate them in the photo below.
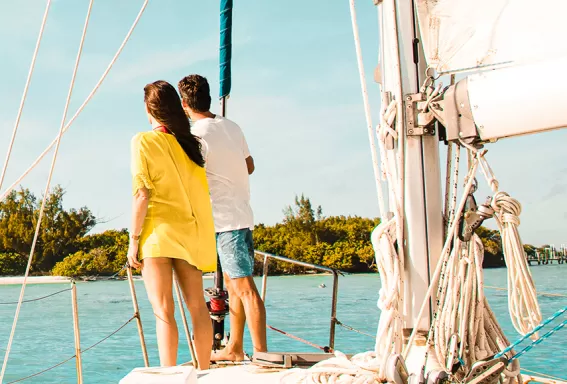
{"type": "Point", "coordinates": [227, 354]}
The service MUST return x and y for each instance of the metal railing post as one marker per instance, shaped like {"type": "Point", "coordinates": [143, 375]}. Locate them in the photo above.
{"type": "Point", "coordinates": [335, 273]}
{"type": "Point", "coordinates": [334, 309]}
{"type": "Point", "coordinates": [138, 319]}
{"type": "Point", "coordinates": [78, 361]}
{"type": "Point", "coordinates": [265, 277]}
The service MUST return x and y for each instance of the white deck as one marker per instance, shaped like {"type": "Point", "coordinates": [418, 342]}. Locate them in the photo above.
{"type": "Point", "coordinates": [246, 373]}
{"type": "Point", "coordinates": [249, 374]}
{"type": "Point", "coordinates": [243, 373]}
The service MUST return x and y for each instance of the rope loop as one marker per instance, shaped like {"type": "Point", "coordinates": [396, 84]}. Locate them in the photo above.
{"type": "Point", "coordinates": [387, 118]}
{"type": "Point", "coordinates": [506, 206]}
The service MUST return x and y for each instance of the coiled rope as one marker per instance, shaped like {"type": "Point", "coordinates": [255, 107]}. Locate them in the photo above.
{"type": "Point", "coordinates": [522, 296]}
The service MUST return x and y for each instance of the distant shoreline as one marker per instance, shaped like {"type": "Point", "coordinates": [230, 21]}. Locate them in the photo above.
{"type": "Point", "coordinates": [11, 280]}
{"type": "Point", "coordinates": [205, 277]}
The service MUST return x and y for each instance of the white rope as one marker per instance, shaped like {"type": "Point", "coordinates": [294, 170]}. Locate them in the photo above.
{"type": "Point", "coordinates": [367, 112]}
{"type": "Point", "coordinates": [24, 95]}
{"type": "Point", "coordinates": [463, 309]}
{"type": "Point", "coordinates": [390, 268]}
{"type": "Point", "coordinates": [447, 187]}
{"type": "Point", "coordinates": [361, 369]}
{"type": "Point", "coordinates": [452, 212]}
{"type": "Point", "coordinates": [46, 193]}
{"type": "Point", "coordinates": [89, 97]}
{"type": "Point", "coordinates": [389, 259]}
{"type": "Point", "coordinates": [369, 367]}
{"type": "Point", "coordinates": [523, 305]}
{"type": "Point", "coordinates": [366, 368]}
{"type": "Point", "coordinates": [444, 252]}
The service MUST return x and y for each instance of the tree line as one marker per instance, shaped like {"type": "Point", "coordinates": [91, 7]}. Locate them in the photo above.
{"type": "Point", "coordinates": [65, 248]}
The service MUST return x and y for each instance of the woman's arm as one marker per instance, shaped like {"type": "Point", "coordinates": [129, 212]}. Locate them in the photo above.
{"type": "Point", "coordinates": [139, 211]}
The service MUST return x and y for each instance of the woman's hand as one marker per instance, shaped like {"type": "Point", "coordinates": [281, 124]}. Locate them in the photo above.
{"type": "Point", "coordinates": [133, 254]}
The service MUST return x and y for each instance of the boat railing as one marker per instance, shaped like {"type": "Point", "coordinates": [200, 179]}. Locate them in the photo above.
{"type": "Point", "coordinates": [36, 280]}
{"type": "Point", "coordinates": [333, 321]}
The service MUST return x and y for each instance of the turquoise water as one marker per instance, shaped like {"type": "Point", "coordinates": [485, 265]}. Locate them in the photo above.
{"type": "Point", "coordinates": [294, 304]}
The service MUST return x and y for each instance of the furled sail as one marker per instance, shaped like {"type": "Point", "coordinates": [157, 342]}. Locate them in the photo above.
{"type": "Point", "coordinates": [225, 54]}
{"type": "Point", "coordinates": [460, 35]}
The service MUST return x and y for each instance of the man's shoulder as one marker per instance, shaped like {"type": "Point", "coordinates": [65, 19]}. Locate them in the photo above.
{"type": "Point", "coordinates": [204, 127]}
{"type": "Point", "coordinates": [228, 123]}
{"type": "Point", "coordinates": [200, 128]}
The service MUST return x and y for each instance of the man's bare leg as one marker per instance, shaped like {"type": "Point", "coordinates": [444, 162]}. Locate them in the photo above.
{"type": "Point", "coordinates": [234, 350]}
{"type": "Point", "coordinates": [236, 252]}
{"type": "Point", "coordinates": [246, 304]}
{"type": "Point", "coordinates": [254, 309]}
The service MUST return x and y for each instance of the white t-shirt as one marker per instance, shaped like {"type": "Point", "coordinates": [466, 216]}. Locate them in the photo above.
{"type": "Point", "coordinates": [225, 150]}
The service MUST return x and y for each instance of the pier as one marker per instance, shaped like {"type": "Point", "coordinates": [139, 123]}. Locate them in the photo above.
{"type": "Point", "coordinates": [547, 256]}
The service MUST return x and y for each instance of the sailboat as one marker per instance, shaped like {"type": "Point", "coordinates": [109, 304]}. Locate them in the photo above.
{"type": "Point", "coordinates": [435, 324]}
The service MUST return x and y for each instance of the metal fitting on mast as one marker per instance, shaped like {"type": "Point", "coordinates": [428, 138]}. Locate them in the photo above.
{"type": "Point", "coordinates": [420, 120]}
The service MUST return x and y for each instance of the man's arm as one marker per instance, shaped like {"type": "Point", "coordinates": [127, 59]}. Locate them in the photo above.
{"type": "Point", "coordinates": [247, 157]}
{"type": "Point", "coordinates": [250, 164]}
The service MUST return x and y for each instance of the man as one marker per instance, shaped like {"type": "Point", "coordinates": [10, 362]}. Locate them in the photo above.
{"type": "Point", "coordinates": [228, 166]}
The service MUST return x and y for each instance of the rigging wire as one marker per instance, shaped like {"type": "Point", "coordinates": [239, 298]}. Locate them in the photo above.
{"type": "Point", "coordinates": [74, 356]}
{"type": "Point", "coordinates": [25, 94]}
{"type": "Point", "coordinates": [367, 112]}
{"type": "Point", "coordinates": [56, 143]}
{"type": "Point", "coordinates": [46, 192]}
{"type": "Point", "coordinates": [87, 100]}
{"type": "Point", "coordinates": [37, 298]}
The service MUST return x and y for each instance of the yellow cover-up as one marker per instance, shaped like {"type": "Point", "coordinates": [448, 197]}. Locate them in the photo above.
{"type": "Point", "coordinates": [179, 222]}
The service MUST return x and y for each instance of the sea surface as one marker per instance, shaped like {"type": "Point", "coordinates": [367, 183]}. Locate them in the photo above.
{"type": "Point", "coordinates": [295, 304]}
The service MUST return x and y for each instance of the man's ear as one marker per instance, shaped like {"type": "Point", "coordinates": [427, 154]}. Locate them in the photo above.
{"type": "Point", "coordinates": [184, 104]}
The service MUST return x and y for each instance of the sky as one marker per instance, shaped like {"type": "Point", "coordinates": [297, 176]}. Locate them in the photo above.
{"type": "Point", "coordinates": [295, 93]}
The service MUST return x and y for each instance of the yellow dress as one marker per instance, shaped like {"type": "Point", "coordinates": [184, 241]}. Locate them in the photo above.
{"type": "Point", "coordinates": [179, 223]}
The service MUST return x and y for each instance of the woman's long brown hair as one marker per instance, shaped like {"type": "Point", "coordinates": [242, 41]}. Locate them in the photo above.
{"type": "Point", "coordinates": [164, 105]}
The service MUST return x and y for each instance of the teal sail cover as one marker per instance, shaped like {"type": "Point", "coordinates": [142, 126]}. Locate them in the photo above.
{"type": "Point", "coordinates": [225, 54]}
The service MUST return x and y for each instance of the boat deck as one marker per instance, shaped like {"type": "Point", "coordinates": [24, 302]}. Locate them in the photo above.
{"type": "Point", "coordinates": [185, 374]}
{"type": "Point", "coordinates": [243, 373]}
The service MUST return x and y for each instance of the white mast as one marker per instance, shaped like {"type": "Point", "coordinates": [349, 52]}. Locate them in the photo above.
{"type": "Point", "coordinates": [423, 224]}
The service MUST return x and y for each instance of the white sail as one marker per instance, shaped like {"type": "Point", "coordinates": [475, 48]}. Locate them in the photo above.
{"type": "Point", "coordinates": [459, 35]}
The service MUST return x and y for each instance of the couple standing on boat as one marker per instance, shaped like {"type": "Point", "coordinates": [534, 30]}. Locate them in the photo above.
{"type": "Point", "coordinates": [192, 201]}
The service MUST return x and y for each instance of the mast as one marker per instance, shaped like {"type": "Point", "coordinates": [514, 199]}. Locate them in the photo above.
{"type": "Point", "coordinates": [403, 69]}
{"type": "Point", "coordinates": [219, 295]}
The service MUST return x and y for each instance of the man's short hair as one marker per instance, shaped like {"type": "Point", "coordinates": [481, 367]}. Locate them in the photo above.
{"type": "Point", "coordinates": [195, 92]}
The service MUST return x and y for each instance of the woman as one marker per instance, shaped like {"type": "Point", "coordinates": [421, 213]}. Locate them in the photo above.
{"type": "Point", "coordinates": [172, 222]}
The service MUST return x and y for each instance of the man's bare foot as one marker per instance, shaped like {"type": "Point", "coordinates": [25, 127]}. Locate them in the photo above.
{"type": "Point", "coordinates": [227, 354]}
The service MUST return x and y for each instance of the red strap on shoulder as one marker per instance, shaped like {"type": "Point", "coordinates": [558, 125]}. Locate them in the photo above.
{"type": "Point", "coordinates": [162, 129]}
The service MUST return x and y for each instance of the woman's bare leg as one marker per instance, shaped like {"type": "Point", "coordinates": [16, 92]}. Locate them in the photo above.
{"type": "Point", "coordinates": [158, 279]}
{"type": "Point", "coordinates": [191, 283]}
